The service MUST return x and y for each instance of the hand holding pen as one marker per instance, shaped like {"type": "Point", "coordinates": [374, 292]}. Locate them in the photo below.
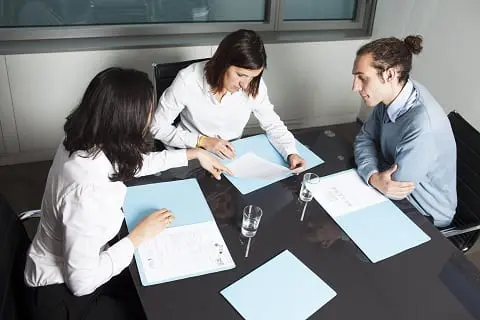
{"type": "Point", "coordinates": [222, 148]}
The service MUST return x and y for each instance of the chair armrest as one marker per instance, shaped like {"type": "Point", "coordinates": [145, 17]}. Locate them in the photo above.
{"type": "Point", "coordinates": [29, 214]}
{"type": "Point", "coordinates": [454, 231]}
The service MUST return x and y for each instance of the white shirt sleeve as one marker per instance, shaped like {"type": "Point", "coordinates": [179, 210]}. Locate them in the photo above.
{"type": "Point", "coordinates": [88, 213]}
{"type": "Point", "coordinates": [170, 105]}
{"type": "Point", "coordinates": [276, 131]}
{"type": "Point", "coordinates": [160, 161]}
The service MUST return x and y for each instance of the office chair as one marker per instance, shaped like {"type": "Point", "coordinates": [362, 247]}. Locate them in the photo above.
{"type": "Point", "coordinates": [16, 301]}
{"type": "Point", "coordinates": [163, 76]}
{"type": "Point", "coordinates": [465, 228]}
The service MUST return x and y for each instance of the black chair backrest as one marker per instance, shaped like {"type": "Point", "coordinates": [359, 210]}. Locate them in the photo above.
{"type": "Point", "coordinates": [165, 73]}
{"type": "Point", "coordinates": [468, 178]}
{"type": "Point", "coordinates": [163, 76]}
{"type": "Point", "coordinates": [14, 242]}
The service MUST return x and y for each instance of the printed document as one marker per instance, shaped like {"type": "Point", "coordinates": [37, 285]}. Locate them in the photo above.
{"type": "Point", "coordinates": [251, 166]}
{"type": "Point", "coordinates": [376, 225]}
{"type": "Point", "coordinates": [343, 193]}
{"type": "Point", "coordinates": [184, 251]}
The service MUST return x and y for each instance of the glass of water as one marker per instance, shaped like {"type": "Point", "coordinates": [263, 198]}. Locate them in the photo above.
{"type": "Point", "coordinates": [251, 220]}
{"type": "Point", "coordinates": [308, 180]}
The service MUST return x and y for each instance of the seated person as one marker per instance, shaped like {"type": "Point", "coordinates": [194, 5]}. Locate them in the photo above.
{"type": "Point", "coordinates": [74, 272]}
{"type": "Point", "coordinates": [406, 146]}
{"type": "Point", "coordinates": [215, 99]}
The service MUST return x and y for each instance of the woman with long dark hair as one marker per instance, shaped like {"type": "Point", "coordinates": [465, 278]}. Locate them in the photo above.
{"type": "Point", "coordinates": [216, 98]}
{"type": "Point", "coordinates": [74, 272]}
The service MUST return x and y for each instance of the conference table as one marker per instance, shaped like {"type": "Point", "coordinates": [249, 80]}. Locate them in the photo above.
{"type": "Point", "coordinates": [431, 281]}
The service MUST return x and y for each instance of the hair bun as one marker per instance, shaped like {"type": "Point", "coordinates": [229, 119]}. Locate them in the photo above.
{"type": "Point", "coordinates": [414, 43]}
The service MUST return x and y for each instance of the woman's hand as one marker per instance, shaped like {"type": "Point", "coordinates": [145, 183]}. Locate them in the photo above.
{"type": "Point", "coordinates": [208, 162]}
{"type": "Point", "coordinates": [150, 226]}
{"type": "Point", "coordinates": [222, 148]}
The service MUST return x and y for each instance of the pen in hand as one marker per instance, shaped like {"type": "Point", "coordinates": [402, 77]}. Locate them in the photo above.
{"type": "Point", "coordinates": [222, 148]}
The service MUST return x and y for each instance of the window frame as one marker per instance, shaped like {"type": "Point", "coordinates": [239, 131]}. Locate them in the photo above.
{"type": "Point", "coordinates": [97, 37]}
{"type": "Point", "coordinates": [128, 30]}
{"type": "Point", "coordinates": [363, 9]}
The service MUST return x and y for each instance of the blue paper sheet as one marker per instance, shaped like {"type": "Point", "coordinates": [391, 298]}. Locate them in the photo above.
{"type": "Point", "coordinates": [184, 198]}
{"type": "Point", "coordinates": [381, 230]}
{"type": "Point", "coordinates": [260, 145]}
{"type": "Point", "coordinates": [282, 288]}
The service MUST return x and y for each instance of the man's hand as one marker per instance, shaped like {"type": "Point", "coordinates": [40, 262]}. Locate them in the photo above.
{"type": "Point", "coordinates": [297, 164]}
{"type": "Point", "coordinates": [222, 148]}
{"type": "Point", "coordinates": [383, 182]}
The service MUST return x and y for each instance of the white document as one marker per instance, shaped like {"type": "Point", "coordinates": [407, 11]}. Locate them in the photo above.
{"type": "Point", "coordinates": [251, 166]}
{"type": "Point", "coordinates": [184, 251]}
{"type": "Point", "coordinates": [346, 192]}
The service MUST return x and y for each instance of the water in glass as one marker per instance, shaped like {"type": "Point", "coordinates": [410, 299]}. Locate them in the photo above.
{"type": "Point", "coordinates": [249, 227]}
{"type": "Point", "coordinates": [305, 194]}
{"type": "Point", "coordinates": [251, 220]}
{"type": "Point", "coordinates": [309, 179]}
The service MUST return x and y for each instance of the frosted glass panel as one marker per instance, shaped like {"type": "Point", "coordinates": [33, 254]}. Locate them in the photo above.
{"type": "Point", "coordinates": [314, 10]}
{"type": "Point", "coordinates": [19, 13]}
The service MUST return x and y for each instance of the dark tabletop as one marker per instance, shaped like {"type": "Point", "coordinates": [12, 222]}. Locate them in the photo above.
{"type": "Point", "coordinates": [432, 281]}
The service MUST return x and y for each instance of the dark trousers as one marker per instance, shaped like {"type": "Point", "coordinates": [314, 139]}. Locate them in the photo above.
{"type": "Point", "coordinates": [117, 299]}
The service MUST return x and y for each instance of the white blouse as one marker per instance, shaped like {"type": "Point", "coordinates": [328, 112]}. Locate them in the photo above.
{"type": "Point", "coordinates": [201, 113]}
{"type": "Point", "coordinates": [81, 212]}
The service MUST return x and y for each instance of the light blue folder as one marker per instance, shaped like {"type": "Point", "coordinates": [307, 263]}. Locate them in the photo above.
{"type": "Point", "coordinates": [381, 230]}
{"type": "Point", "coordinates": [260, 145]}
{"type": "Point", "coordinates": [184, 198]}
{"type": "Point", "coordinates": [282, 288]}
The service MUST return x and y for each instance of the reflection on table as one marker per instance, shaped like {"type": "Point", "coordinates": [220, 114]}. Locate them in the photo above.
{"type": "Point", "coordinates": [431, 281]}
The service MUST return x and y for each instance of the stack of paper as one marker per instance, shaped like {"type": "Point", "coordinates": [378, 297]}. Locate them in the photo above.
{"type": "Point", "coordinates": [192, 245]}
{"type": "Point", "coordinates": [251, 166]}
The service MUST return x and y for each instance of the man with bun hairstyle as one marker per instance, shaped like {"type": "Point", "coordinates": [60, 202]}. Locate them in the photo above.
{"type": "Point", "coordinates": [406, 147]}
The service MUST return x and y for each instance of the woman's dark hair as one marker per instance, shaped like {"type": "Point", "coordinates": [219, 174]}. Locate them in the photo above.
{"type": "Point", "coordinates": [393, 53]}
{"type": "Point", "coordinates": [243, 49]}
{"type": "Point", "coordinates": [113, 117]}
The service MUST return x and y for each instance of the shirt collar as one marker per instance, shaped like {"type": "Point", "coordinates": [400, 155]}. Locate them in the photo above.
{"type": "Point", "coordinates": [202, 80]}
{"type": "Point", "coordinates": [207, 89]}
{"type": "Point", "coordinates": [400, 104]}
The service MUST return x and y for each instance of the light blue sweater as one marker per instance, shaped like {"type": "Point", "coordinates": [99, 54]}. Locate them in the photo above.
{"type": "Point", "coordinates": [414, 133]}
